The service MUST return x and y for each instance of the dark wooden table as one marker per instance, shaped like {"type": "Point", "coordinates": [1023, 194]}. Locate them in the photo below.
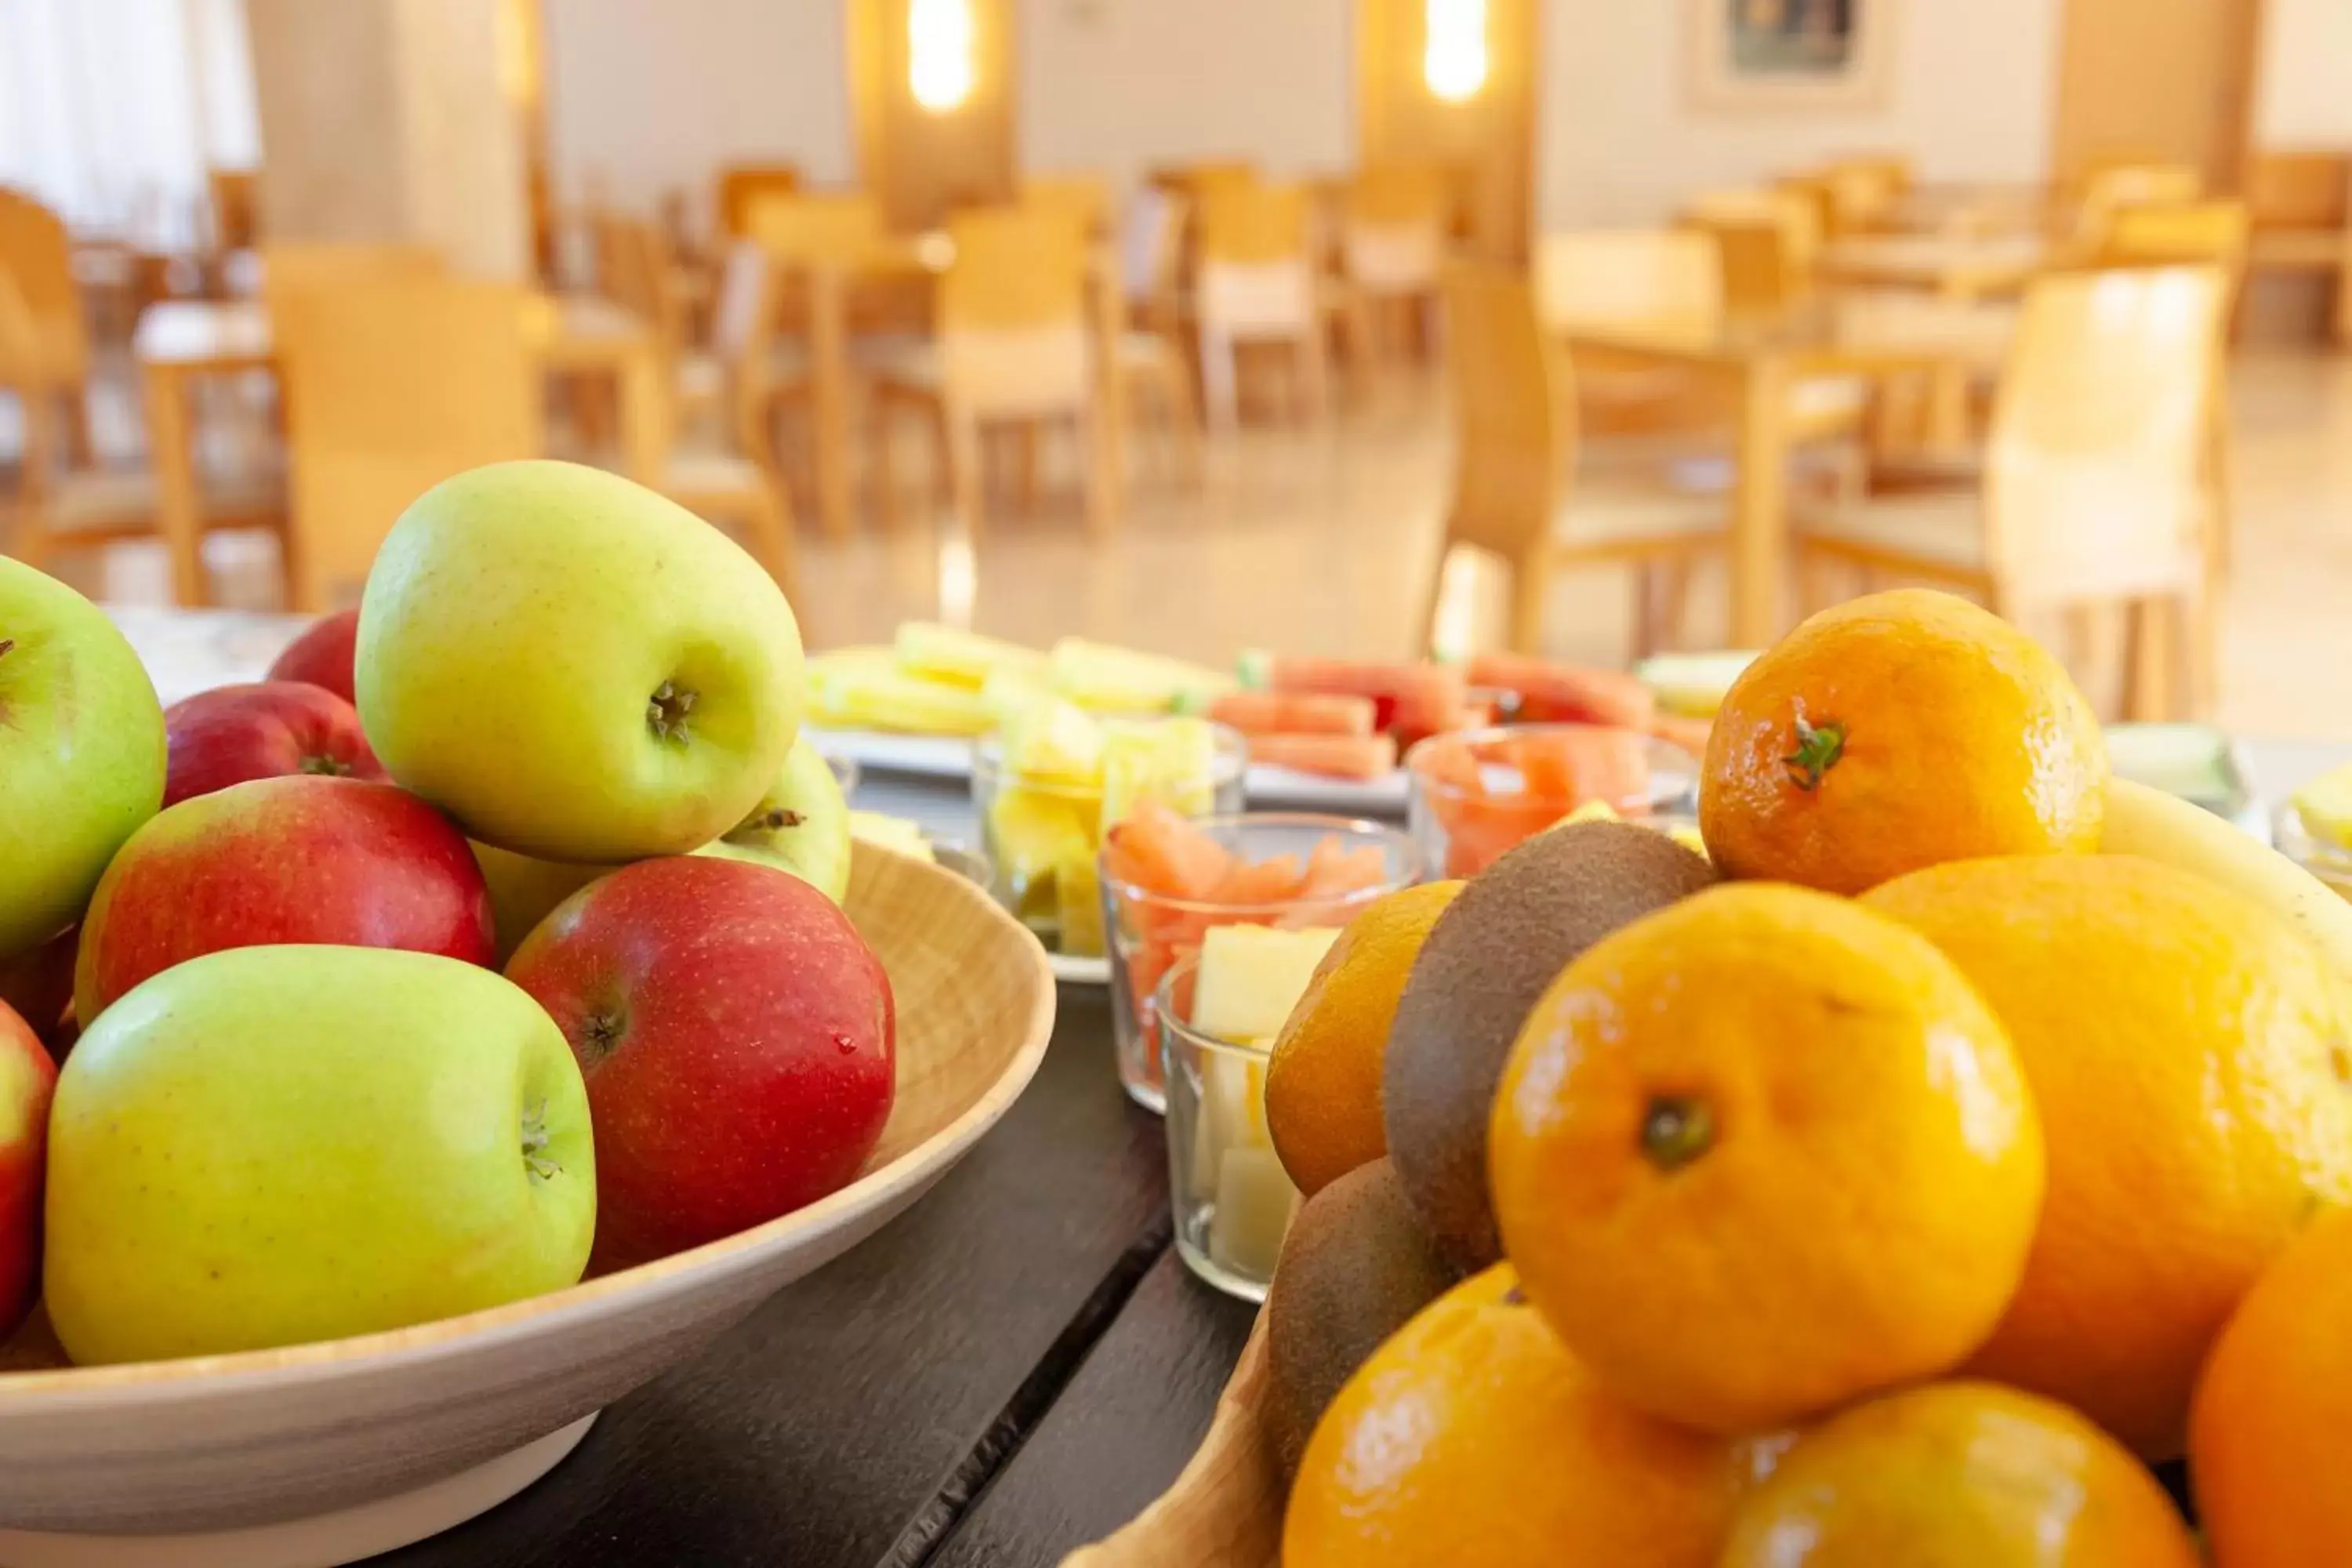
{"type": "Point", "coordinates": [1011, 1370]}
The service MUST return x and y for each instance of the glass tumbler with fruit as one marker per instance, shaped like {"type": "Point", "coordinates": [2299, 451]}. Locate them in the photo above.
{"type": "Point", "coordinates": [1054, 779]}
{"type": "Point", "coordinates": [1168, 882]}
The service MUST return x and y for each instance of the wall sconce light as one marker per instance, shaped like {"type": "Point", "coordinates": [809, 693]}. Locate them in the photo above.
{"type": "Point", "coordinates": [939, 53]}
{"type": "Point", "coordinates": [1454, 61]}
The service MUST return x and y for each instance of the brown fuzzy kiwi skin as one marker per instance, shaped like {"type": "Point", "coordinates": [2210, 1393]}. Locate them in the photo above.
{"type": "Point", "coordinates": [1486, 962]}
{"type": "Point", "coordinates": [1355, 1268]}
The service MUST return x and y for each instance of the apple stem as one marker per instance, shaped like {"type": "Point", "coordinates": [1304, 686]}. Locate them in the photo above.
{"type": "Point", "coordinates": [534, 1143]}
{"type": "Point", "coordinates": [5, 644]}
{"type": "Point", "coordinates": [330, 767]}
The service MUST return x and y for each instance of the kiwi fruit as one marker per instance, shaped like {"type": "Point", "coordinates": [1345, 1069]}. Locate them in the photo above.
{"type": "Point", "coordinates": [1355, 1268]}
{"type": "Point", "coordinates": [1487, 960]}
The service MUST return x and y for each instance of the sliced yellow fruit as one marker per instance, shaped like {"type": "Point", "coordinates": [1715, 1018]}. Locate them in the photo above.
{"type": "Point", "coordinates": [891, 833]}
{"type": "Point", "coordinates": [855, 695]}
{"type": "Point", "coordinates": [1033, 833]}
{"type": "Point", "coordinates": [1077, 900]}
{"type": "Point", "coordinates": [966, 659]}
{"type": "Point", "coordinates": [1110, 679]}
{"type": "Point", "coordinates": [1252, 976]}
{"type": "Point", "coordinates": [1052, 740]}
{"type": "Point", "coordinates": [2326, 803]}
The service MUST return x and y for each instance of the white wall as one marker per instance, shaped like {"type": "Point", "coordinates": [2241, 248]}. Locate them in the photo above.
{"type": "Point", "coordinates": [1619, 141]}
{"type": "Point", "coordinates": [648, 95]}
{"type": "Point", "coordinates": [1121, 85]}
{"type": "Point", "coordinates": [2306, 75]}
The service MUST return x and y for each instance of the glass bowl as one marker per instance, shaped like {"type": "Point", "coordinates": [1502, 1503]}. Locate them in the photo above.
{"type": "Point", "coordinates": [1150, 932]}
{"type": "Point", "coordinates": [1044, 836]}
{"type": "Point", "coordinates": [1227, 1192]}
{"type": "Point", "coordinates": [1472, 797]}
{"type": "Point", "coordinates": [2323, 858]}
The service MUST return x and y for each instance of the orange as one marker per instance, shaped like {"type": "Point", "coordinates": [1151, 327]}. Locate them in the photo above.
{"type": "Point", "coordinates": [1899, 731]}
{"type": "Point", "coordinates": [1473, 1439]}
{"type": "Point", "coordinates": [1323, 1083]}
{"type": "Point", "coordinates": [2267, 1443]}
{"type": "Point", "coordinates": [1959, 1475]}
{"type": "Point", "coordinates": [1762, 1152]}
{"type": "Point", "coordinates": [2186, 1050]}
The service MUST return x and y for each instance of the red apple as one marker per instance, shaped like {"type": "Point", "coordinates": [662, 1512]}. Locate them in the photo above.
{"type": "Point", "coordinates": [738, 1038]}
{"type": "Point", "coordinates": [322, 654]}
{"type": "Point", "coordinates": [233, 733]}
{"type": "Point", "coordinates": [27, 1077]}
{"type": "Point", "coordinates": [350, 862]}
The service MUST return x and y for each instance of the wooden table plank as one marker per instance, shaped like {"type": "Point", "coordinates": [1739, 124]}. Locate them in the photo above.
{"type": "Point", "coordinates": [818, 1430]}
{"type": "Point", "coordinates": [1129, 1422]}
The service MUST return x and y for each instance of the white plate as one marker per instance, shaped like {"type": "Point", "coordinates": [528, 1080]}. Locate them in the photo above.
{"type": "Point", "coordinates": [949, 757]}
{"type": "Point", "coordinates": [1072, 970]}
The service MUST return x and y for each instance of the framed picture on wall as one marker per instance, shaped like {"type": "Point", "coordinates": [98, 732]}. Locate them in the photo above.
{"type": "Point", "coordinates": [1791, 54]}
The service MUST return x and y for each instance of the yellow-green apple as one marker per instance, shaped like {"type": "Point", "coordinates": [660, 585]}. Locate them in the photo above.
{"type": "Point", "coordinates": [261, 730]}
{"type": "Point", "coordinates": [574, 667]}
{"type": "Point", "coordinates": [348, 862]}
{"type": "Point", "coordinates": [801, 826]}
{"type": "Point", "coordinates": [525, 889]}
{"type": "Point", "coordinates": [278, 1144]}
{"type": "Point", "coordinates": [27, 1077]}
{"type": "Point", "coordinates": [82, 752]}
{"type": "Point", "coordinates": [322, 654]}
{"type": "Point", "coordinates": [738, 1038]}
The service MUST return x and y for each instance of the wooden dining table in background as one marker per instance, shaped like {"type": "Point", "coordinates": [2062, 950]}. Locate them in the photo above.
{"type": "Point", "coordinates": [1955, 266]}
{"type": "Point", "coordinates": [181, 342]}
{"type": "Point", "coordinates": [1758, 360]}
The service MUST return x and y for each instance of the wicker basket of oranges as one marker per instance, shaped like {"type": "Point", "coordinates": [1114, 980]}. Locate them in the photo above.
{"type": "Point", "coordinates": [1965, 1134]}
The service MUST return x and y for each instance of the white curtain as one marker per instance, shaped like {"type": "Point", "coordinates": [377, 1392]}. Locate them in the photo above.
{"type": "Point", "coordinates": [112, 111]}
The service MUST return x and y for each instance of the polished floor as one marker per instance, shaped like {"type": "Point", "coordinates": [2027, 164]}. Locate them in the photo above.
{"type": "Point", "coordinates": [1321, 541]}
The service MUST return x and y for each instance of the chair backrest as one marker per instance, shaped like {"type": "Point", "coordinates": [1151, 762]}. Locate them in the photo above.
{"type": "Point", "coordinates": [1863, 189]}
{"type": "Point", "coordinates": [236, 210]}
{"type": "Point", "coordinates": [742, 186]}
{"type": "Point", "coordinates": [37, 252]}
{"type": "Point", "coordinates": [1514, 410]}
{"type": "Point", "coordinates": [2160, 233]}
{"type": "Point", "coordinates": [2300, 189]}
{"type": "Point", "coordinates": [1084, 199]}
{"type": "Point", "coordinates": [1767, 242]}
{"type": "Point", "coordinates": [1197, 180]}
{"type": "Point", "coordinates": [1251, 223]}
{"type": "Point", "coordinates": [1012, 311]}
{"type": "Point", "coordinates": [815, 226]}
{"type": "Point", "coordinates": [1667, 277]}
{"type": "Point", "coordinates": [2096, 467]}
{"type": "Point", "coordinates": [2108, 190]}
{"type": "Point", "coordinates": [1393, 224]}
{"type": "Point", "coordinates": [308, 263]}
{"type": "Point", "coordinates": [393, 383]}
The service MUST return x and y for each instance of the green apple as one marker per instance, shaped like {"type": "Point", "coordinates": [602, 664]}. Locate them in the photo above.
{"type": "Point", "coordinates": [82, 752]}
{"type": "Point", "coordinates": [272, 1145]}
{"type": "Point", "coordinates": [801, 826]}
{"type": "Point", "coordinates": [574, 667]}
{"type": "Point", "coordinates": [524, 890]}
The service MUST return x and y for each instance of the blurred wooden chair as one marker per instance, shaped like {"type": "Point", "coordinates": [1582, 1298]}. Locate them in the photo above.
{"type": "Point", "coordinates": [2094, 490]}
{"type": "Point", "coordinates": [1865, 190]}
{"type": "Point", "coordinates": [2301, 202]}
{"type": "Point", "coordinates": [1393, 244]}
{"type": "Point", "coordinates": [1154, 353]}
{"type": "Point", "coordinates": [1669, 281]}
{"type": "Point", "coordinates": [233, 230]}
{"type": "Point", "coordinates": [1768, 240]}
{"type": "Point", "coordinates": [63, 506]}
{"type": "Point", "coordinates": [1084, 199]}
{"type": "Point", "coordinates": [2108, 190]}
{"type": "Point", "coordinates": [1011, 345]}
{"type": "Point", "coordinates": [37, 252]}
{"type": "Point", "coordinates": [1256, 285]}
{"type": "Point", "coordinates": [743, 187]}
{"type": "Point", "coordinates": [1522, 489]}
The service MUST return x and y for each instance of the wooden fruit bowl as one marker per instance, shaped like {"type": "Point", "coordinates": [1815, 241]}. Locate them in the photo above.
{"type": "Point", "coordinates": [1226, 1507]}
{"type": "Point", "coordinates": [225, 1444]}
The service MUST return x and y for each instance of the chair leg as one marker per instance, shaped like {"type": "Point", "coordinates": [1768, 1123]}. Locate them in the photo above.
{"type": "Point", "coordinates": [2148, 683]}
{"type": "Point", "coordinates": [2201, 623]}
{"type": "Point", "coordinates": [1817, 581]}
{"type": "Point", "coordinates": [1674, 577]}
{"type": "Point", "coordinates": [770, 516]}
{"type": "Point", "coordinates": [1433, 603]}
{"type": "Point", "coordinates": [964, 465]}
{"type": "Point", "coordinates": [1314, 375]}
{"type": "Point", "coordinates": [1102, 484]}
{"type": "Point", "coordinates": [1024, 467]}
{"type": "Point", "coordinates": [1218, 377]}
{"type": "Point", "coordinates": [1182, 412]}
{"type": "Point", "coordinates": [882, 443]}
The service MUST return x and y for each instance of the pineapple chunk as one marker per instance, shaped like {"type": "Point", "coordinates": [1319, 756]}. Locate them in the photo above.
{"type": "Point", "coordinates": [1077, 896]}
{"type": "Point", "coordinates": [891, 833]}
{"type": "Point", "coordinates": [1033, 833]}
{"type": "Point", "coordinates": [1120, 680]}
{"type": "Point", "coordinates": [1255, 1202]}
{"type": "Point", "coordinates": [1251, 977]}
{"type": "Point", "coordinates": [2326, 803]}
{"type": "Point", "coordinates": [1009, 693]}
{"type": "Point", "coordinates": [1172, 761]}
{"type": "Point", "coordinates": [967, 659]}
{"type": "Point", "coordinates": [859, 694]}
{"type": "Point", "coordinates": [1052, 741]}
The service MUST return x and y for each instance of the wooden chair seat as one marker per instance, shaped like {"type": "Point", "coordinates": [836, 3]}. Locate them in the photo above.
{"type": "Point", "coordinates": [1929, 529]}
{"type": "Point", "coordinates": [1602, 518]}
{"type": "Point", "coordinates": [121, 503]}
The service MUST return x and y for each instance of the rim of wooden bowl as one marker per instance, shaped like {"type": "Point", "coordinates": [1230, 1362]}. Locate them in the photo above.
{"type": "Point", "coordinates": [493, 1325]}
